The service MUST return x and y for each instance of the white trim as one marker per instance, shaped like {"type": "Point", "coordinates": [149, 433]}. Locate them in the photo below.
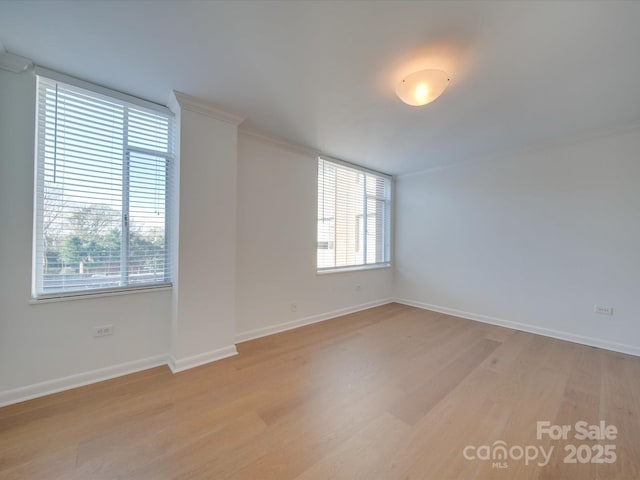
{"type": "Point", "coordinates": [79, 295]}
{"type": "Point", "coordinates": [508, 154]}
{"type": "Point", "coordinates": [179, 365]}
{"type": "Point", "coordinates": [355, 166]}
{"type": "Point", "coordinates": [99, 89]}
{"type": "Point", "coordinates": [279, 142]}
{"type": "Point", "coordinates": [48, 387]}
{"type": "Point", "coordinates": [353, 268]}
{"type": "Point", "coordinates": [526, 327]}
{"type": "Point", "coordinates": [301, 322]}
{"type": "Point", "coordinates": [197, 105]}
{"type": "Point", "coordinates": [303, 149]}
{"type": "Point", "coordinates": [13, 63]}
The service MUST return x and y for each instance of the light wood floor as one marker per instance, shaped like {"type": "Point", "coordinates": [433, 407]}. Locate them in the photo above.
{"type": "Point", "coordinates": [390, 393]}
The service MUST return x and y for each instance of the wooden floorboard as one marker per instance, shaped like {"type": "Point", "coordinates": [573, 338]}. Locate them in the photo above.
{"type": "Point", "coordinates": [393, 392]}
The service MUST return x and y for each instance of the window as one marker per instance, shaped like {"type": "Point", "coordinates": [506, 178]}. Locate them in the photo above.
{"type": "Point", "coordinates": [103, 170]}
{"type": "Point", "coordinates": [354, 217]}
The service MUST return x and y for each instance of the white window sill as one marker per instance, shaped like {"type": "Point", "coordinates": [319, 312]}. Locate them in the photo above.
{"type": "Point", "coordinates": [354, 268]}
{"type": "Point", "coordinates": [82, 295]}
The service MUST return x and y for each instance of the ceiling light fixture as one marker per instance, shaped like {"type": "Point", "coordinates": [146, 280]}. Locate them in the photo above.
{"type": "Point", "coordinates": [422, 87]}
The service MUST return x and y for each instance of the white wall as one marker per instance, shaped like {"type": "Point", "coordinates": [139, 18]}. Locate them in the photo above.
{"type": "Point", "coordinates": [277, 221]}
{"type": "Point", "coordinates": [531, 240]}
{"type": "Point", "coordinates": [269, 241]}
{"type": "Point", "coordinates": [535, 238]}
{"type": "Point", "coordinates": [52, 341]}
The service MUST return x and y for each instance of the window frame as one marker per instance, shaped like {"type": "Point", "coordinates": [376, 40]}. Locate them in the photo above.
{"type": "Point", "coordinates": [387, 221]}
{"type": "Point", "coordinates": [38, 293]}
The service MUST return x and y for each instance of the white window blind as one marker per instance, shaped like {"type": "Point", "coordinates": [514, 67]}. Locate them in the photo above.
{"type": "Point", "coordinates": [354, 217]}
{"type": "Point", "coordinates": [103, 173]}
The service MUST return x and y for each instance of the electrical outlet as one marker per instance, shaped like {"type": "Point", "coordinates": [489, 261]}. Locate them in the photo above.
{"type": "Point", "coordinates": [103, 330]}
{"type": "Point", "coordinates": [603, 310]}
{"type": "Point", "coordinates": [294, 307]}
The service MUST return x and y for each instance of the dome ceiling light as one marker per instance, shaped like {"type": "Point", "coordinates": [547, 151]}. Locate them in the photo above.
{"type": "Point", "coordinates": [422, 87]}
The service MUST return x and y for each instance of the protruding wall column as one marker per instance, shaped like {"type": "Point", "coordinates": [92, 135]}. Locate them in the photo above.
{"type": "Point", "coordinates": [204, 245]}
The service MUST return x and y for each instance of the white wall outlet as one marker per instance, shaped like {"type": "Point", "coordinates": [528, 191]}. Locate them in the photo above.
{"type": "Point", "coordinates": [103, 330]}
{"type": "Point", "coordinates": [294, 307]}
{"type": "Point", "coordinates": [603, 310]}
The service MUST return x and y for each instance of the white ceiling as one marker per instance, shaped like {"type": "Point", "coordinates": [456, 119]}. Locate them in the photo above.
{"type": "Point", "coordinates": [323, 73]}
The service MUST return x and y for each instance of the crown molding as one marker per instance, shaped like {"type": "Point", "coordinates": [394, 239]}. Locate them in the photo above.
{"type": "Point", "coordinates": [197, 105]}
{"type": "Point", "coordinates": [278, 141]}
{"type": "Point", "coordinates": [508, 154]}
{"type": "Point", "coordinates": [13, 63]}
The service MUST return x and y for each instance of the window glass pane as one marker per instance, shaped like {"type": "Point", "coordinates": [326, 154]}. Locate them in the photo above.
{"type": "Point", "coordinates": [102, 180]}
{"type": "Point", "coordinates": [148, 131]}
{"type": "Point", "coordinates": [147, 246]}
{"type": "Point", "coordinates": [353, 219]}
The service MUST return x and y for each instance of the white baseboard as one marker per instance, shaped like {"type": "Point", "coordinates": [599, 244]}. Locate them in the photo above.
{"type": "Point", "coordinates": [41, 389]}
{"type": "Point", "coordinates": [525, 327]}
{"type": "Point", "coordinates": [283, 327]}
{"type": "Point", "coordinates": [178, 365]}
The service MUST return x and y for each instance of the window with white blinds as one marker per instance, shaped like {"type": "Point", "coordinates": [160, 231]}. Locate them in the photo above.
{"type": "Point", "coordinates": [354, 217]}
{"type": "Point", "coordinates": [103, 173]}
